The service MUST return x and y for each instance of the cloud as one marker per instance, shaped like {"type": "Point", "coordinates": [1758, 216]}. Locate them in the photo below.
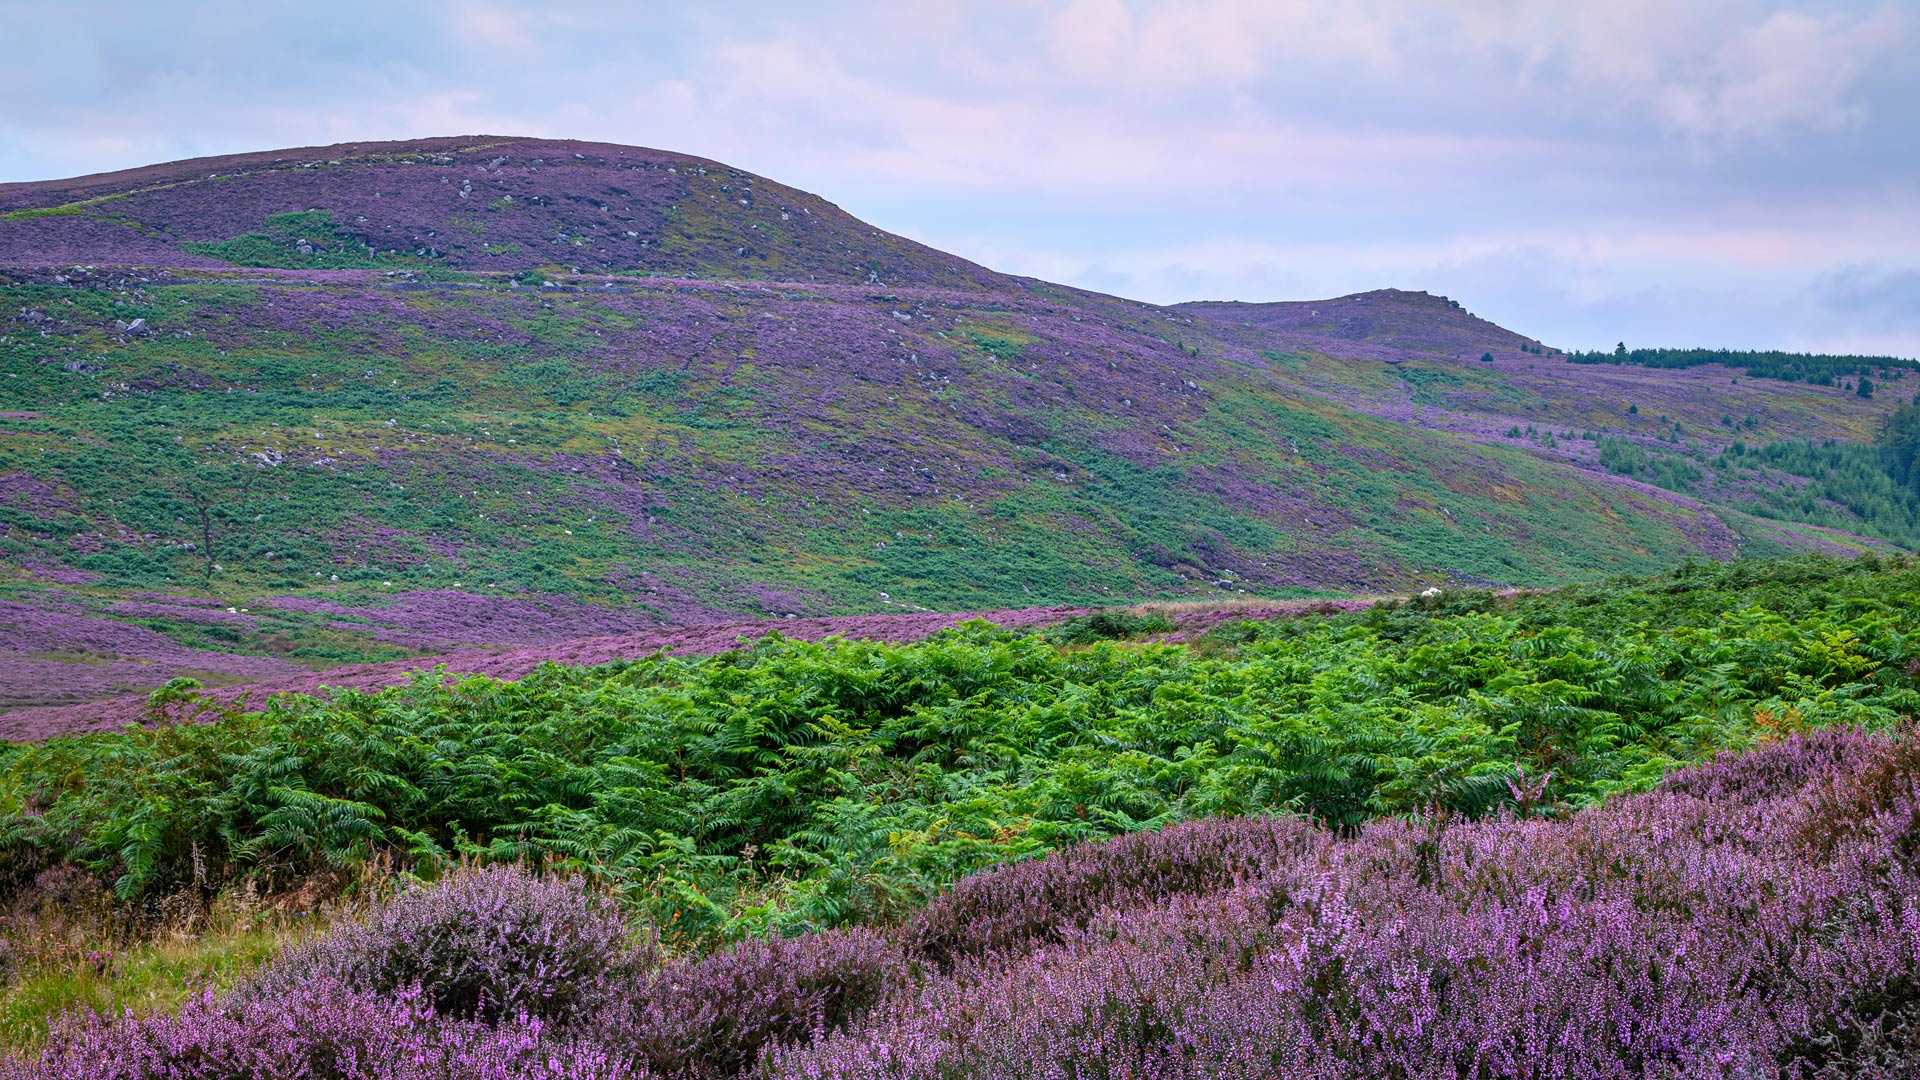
{"type": "Point", "coordinates": [1876, 299]}
{"type": "Point", "coordinates": [1571, 164]}
{"type": "Point", "coordinates": [489, 27]}
{"type": "Point", "coordinates": [1217, 43]}
{"type": "Point", "coordinates": [1790, 71]}
{"type": "Point", "coordinates": [1708, 69]}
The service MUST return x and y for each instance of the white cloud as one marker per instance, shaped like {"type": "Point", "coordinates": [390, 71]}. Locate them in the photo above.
{"type": "Point", "coordinates": [1788, 72]}
{"type": "Point", "coordinates": [1218, 43]}
{"type": "Point", "coordinates": [1710, 68]}
{"type": "Point", "coordinates": [489, 27]}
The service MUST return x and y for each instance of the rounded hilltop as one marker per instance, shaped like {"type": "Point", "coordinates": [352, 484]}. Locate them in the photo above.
{"type": "Point", "coordinates": [476, 203]}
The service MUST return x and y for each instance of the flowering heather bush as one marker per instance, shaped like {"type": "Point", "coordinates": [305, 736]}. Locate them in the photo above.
{"type": "Point", "coordinates": [485, 944]}
{"type": "Point", "coordinates": [57, 656]}
{"type": "Point", "coordinates": [1025, 905]}
{"type": "Point", "coordinates": [1689, 932]}
{"type": "Point", "coordinates": [711, 1017]}
{"type": "Point", "coordinates": [316, 1030]}
{"type": "Point", "coordinates": [441, 618]}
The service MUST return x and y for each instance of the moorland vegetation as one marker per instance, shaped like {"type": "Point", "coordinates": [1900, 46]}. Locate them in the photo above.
{"type": "Point", "coordinates": [541, 424]}
{"type": "Point", "coordinates": [1466, 768]}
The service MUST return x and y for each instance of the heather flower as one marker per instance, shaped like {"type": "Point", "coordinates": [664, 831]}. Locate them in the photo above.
{"type": "Point", "coordinates": [712, 1017]}
{"type": "Point", "coordinates": [1699, 930]}
{"type": "Point", "coordinates": [320, 1029]}
{"type": "Point", "coordinates": [484, 944]}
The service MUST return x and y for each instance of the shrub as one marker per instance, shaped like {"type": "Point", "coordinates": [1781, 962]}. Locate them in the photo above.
{"type": "Point", "coordinates": [1108, 626]}
{"type": "Point", "coordinates": [1676, 934]}
{"type": "Point", "coordinates": [483, 944]}
{"type": "Point", "coordinates": [314, 1030]}
{"type": "Point", "coordinates": [712, 1017]}
{"type": "Point", "coordinates": [1019, 906]}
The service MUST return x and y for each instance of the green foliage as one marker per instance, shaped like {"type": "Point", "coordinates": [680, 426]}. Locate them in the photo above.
{"type": "Point", "coordinates": [1429, 385]}
{"type": "Point", "coordinates": [794, 785]}
{"type": "Point", "coordinates": [1817, 368]}
{"type": "Point", "coordinates": [148, 977]}
{"type": "Point", "coordinates": [63, 210]}
{"type": "Point", "coordinates": [1108, 626]}
{"type": "Point", "coordinates": [279, 243]}
{"type": "Point", "coordinates": [1655, 467]}
{"type": "Point", "coordinates": [1001, 348]}
{"type": "Point", "coordinates": [1899, 446]}
{"type": "Point", "coordinates": [1840, 475]}
{"type": "Point", "coordinates": [1840, 485]}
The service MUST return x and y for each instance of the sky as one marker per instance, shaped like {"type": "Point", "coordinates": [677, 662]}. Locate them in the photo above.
{"type": "Point", "coordinates": [1724, 173]}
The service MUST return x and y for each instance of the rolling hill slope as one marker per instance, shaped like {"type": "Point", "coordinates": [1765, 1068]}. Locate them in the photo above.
{"type": "Point", "coordinates": [350, 404]}
{"type": "Point", "coordinates": [484, 204]}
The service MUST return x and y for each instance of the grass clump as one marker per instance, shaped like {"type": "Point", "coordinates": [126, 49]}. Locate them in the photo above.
{"type": "Point", "coordinates": [67, 944]}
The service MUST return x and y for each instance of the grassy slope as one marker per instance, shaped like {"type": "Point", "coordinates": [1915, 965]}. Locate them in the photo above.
{"type": "Point", "coordinates": [445, 438]}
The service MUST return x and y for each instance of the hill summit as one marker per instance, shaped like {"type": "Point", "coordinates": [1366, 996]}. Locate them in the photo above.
{"type": "Point", "coordinates": [480, 203]}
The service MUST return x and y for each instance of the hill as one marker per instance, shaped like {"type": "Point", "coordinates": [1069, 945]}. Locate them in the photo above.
{"type": "Point", "coordinates": [357, 404]}
{"type": "Point", "coordinates": [492, 204]}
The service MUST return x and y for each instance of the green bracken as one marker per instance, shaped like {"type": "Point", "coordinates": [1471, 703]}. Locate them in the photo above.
{"type": "Point", "coordinates": [791, 786]}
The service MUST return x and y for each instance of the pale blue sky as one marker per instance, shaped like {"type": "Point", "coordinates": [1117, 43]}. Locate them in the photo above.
{"type": "Point", "coordinates": [1685, 172]}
